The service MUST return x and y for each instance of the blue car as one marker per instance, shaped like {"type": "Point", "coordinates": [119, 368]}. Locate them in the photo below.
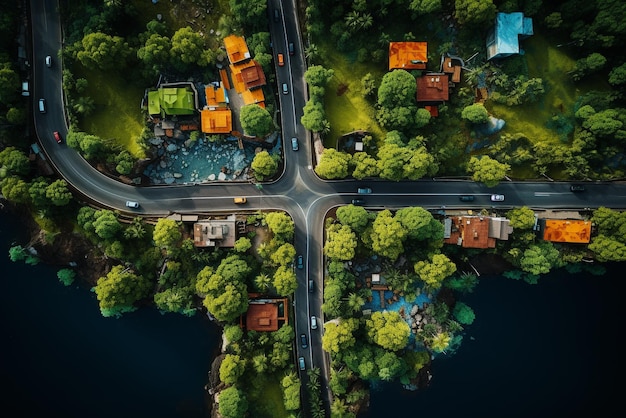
{"type": "Point", "coordinates": [294, 144]}
{"type": "Point", "coordinates": [300, 262]}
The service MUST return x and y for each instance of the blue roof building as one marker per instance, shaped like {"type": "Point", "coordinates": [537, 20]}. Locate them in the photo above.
{"type": "Point", "coordinates": [510, 28]}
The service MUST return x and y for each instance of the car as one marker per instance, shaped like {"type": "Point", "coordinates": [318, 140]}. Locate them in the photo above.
{"type": "Point", "coordinates": [577, 188]}
{"type": "Point", "coordinates": [291, 48]}
{"type": "Point", "coordinates": [364, 190]}
{"type": "Point", "coordinates": [240, 200]}
{"type": "Point", "coordinates": [466, 198]}
{"type": "Point", "coordinates": [303, 341]}
{"type": "Point", "coordinates": [281, 60]}
{"type": "Point", "coordinates": [301, 363]}
{"type": "Point", "coordinates": [48, 61]}
{"type": "Point", "coordinates": [497, 197]}
{"type": "Point", "coordinates": [294, 144]}
{"type": "Point", "coordinates": [313, 322]}
{"type": "Point", "coordinates": [42, 105]}
{"type": "Point", "coordinates": [276, 15]}
{"type": "Point", "coordinates": [285, 88]}
{"type": "Point", "coordinates": [311, 285]}
{"type": "Point", "coordinates": [300, 262]}
{"type": "Point", "coordinates": [358, 202]}
{"type": "Point", "coordinates": [57, 137]}
{"type": "Point", "coordinates": [132, 204]}
{"type": "Point", "coordinates": [25, 89]}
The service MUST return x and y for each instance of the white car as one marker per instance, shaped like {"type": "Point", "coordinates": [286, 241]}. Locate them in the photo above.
{"type": "Point", "coordinates": [497, 197]}
{"type": "Point", "coordinates": [48, 61]}
{"type": "Point", "coordinates": [131, 204]}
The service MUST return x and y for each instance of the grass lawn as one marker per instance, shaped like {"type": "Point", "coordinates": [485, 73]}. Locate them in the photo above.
{"type": "Point", "coordinates": [117, 116]}
{"type": "Point", "coordinates": [346, 109]}
{"type": "Point", "coordinates": [266, 400]}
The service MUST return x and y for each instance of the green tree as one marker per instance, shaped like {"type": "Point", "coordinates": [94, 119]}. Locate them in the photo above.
{"type": "Point", "coordinates": [388, 329]}
{"type": "Point", "coordinates": [339, 336]}
{"type": "Point", "coordinates": [255, 120]}
{"type": "Point", "coordinates": [475, 12]}
{"type": "Point", "coordinates": [188, 47]}
{"type": "Point", "coordinates": [58, 193]}
{"type": "Point", "coordinates": [242, 244]}
{"type": "Point", "coordinates": [387, 235]}
{"type": "Point", "coordinates": [226, 301]}
{"type": "Point", "coordinates": [397, 89]}
{"type": "Point", "coordinates": [475, 113]}
{"type": "Point", "coordinates": [364, 166]}
{"type": "Point", "coordinates": [291, 391]}
{"type": "Point", "coordinates": [434, 272]}
{"type": "Point", "coordinates": [285, 281]}
{"type": "Point", "coordinates": [105, 224]}
{"type": "Point", "coordinates": [281, 225]}
{"type": "Point", "coordinates": [166, 233]}
{"type": "Point", "coordinates": [391, 161]}
{"type": "Point", "coordinates": [539, 258]}
{"type": "Point", "coordinates": [333, 164]}
{"type": "Point", "coordinates": [355, 217]}
{"type": "Point", "coordinates": [15, 189]}
{"type": "Point", "coordinates": [422, 117]}
{"type": "Point", "coordinates": [316, 75]}
{"type": "Point", "coordinates": [16, 116]}
{"type": "Point", "coordinates": [284, 254]}
{"type": "Point", "coordinates": [419, 224]}
{"type": "Point", "coordinates": [9, 83]}
{"type": "Point", "coordinates": [263, 282]}
{"type": "Point", "coordinates": [263, 165]}
{"type": "Point", "coordinates": [232, 368]}
{"type": "Point", "coordinates": [440, 341]}
{"type": "Point", "coordinates": [314, 115]}
{"type": "Point", "coordinates": [119, 290]}
{"type": "Point", "coordinates": [66, 276]}
{"type": "Point", "coordinates": [487, 170]}
{"type": "Point", "coordinates": [233, 403]}
{"type": "Point", "coordinates": [99, 51]}
{"type": "Point", "coordinates": [608, 248]}
{"type": "Point", "coordinates": [422, 7]}
{"type": "Point", "coordinates": [13, 161]}
{"type": "Point", "coordinates": [340, 243]}
{"type": "Point", "coordinates": [463, 313]}
{"type": "Point", "coordinates": [521, 218]}
{"type": "Point", "coordinates": [155, 53]}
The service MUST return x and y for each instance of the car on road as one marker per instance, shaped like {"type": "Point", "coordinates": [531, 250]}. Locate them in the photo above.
{"type": "Point", "coordinates": [364, 190]}
{"type": "Point", "coordinates": [303, 341]}
{"type": "Point", "coordinates": [57, 136]}
{"type": "Point", "coordinates": [42, 105]}
{"type": "Point", "coordinates": [285, 88]}
{"type": "Point", "coordinates": [313, 322]}
{"type": "Point", "coordinates": [301, 363]}
{"type": "Point", "coordinates": [291, 48]}
{"type": "Point", "coordinates": [294, 144]}
{"type": "Point", "coordinates": [577, 188]}
{"type": "Point", "coordinates": [281, 60]}
{"type": "Point", "coordinates": [497, 198]}
{"type": "Point", "coordinates": [240, 200]}
{"type": "Point", "coordinates": [358, 202]}
{"type": "Point", "coordinates": [466, 198]}
{"type": "Point", "coordinates": [300, 262]}
{"type": "Point", "coordinates": [132, 204]}
{"type": "Point", "coordinates": [311, 285]}
{"type": "Point", "coordinates": [276, 15]}
{"type": "Point", "coordinates": [48, 61]}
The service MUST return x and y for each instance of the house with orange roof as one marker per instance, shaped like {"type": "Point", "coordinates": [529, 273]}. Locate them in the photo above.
{"type": "Point", "coordinates": [265, 314]}
{"type": "Point", "coordinates": [574, 231]}
{"type": "Point", "coordinates": [236, 49]}
{"type": "Point", "coordinates": [247, 75]}
{"type": "Point", "coordinates": [408, 55]}
{"type": "Point", "coordinates": [216, 121]}
{"type": "Point", "coordinates": [470, 232]}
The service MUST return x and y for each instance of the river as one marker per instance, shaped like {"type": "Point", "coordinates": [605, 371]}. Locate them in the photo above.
{"type": "Point", "coordinates": [545, 350]}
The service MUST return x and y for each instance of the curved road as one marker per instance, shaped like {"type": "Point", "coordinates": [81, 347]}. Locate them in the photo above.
{"type": "Point", "coordinates": [298, 191]}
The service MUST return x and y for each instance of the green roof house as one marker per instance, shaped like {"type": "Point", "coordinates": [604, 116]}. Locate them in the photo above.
{"type": "Point", "coordinates": [173, 99]}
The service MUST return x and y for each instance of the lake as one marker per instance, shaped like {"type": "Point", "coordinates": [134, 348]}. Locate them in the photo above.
{"type": "Point", "coordinates": [545, 350]}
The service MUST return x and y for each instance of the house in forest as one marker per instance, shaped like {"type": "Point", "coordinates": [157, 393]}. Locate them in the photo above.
{"type": "Point", "coordinates": [504, 38]}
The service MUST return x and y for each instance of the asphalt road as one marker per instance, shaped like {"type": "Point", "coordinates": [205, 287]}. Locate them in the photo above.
{"type": "Point", "coordinates": [298, 190]}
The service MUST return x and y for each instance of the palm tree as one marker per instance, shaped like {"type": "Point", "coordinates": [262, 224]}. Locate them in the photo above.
{"type": "Point", "coordinates": [263, 282]}
{"type": "Point", "coordinates": [355, 301]}
{"type": "Point", "coordinates": [84, 105]}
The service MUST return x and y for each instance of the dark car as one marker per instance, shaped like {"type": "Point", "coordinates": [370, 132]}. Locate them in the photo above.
{"type": "Point", "coordinates": [300, 262]}
{"type": "Point", "coordinates": [466, 198]}
{"type": "Point", "coordinates": [303, 341]}
{"type": "Point", "coordinates": [276, 15]}
{"type": "Point", "coordinates": [577, 188]}
{"type": "Point", "coordinates": [301, 363]}
{"type": "Point", "coordinates": [358, 202]}
{"type": "Point", "coordinates": [291, 48]}
{"type": "Point", "coordinates": [57, 137]}
{"type": "Point", "coordinates": [311, 285]}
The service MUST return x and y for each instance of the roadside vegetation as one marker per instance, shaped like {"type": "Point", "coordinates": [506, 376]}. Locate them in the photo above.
{"type": "Point", "coordinates": [562, 100]}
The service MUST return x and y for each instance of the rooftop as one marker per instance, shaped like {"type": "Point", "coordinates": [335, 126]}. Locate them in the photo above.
{"type": "Point", "coordinates": [408, 55]}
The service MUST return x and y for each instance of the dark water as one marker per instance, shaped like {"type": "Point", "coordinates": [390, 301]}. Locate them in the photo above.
{"type": "Point", "coordinates": [548, 350]}
{"type": "Point", "coordinates": [60, 358]}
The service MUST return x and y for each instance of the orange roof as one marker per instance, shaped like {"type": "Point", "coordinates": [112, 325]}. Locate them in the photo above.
{"type": "Point", "coordinates": [237, 78]}
{"type": "Point", "coordinates": [408, 55]}
{"type": "Point", "coordinates": [253, 75]}
{"type": "Point", "coordinates": [253, 96]}
{"type": "Point", "coordinates": [574, 231]}
{"type": "Point", "coordinates": [236, 48]}
{"type": "Point", "coordinates": [215, 96]}
{"type": "Point", "coordinates": [262, 317]}
{"type": "Point", "coordinates": [217, 121]}
{"type": "Point", "coordinates": [471, 231]}
{"type": "Point", "coordinates": [432, 87]}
